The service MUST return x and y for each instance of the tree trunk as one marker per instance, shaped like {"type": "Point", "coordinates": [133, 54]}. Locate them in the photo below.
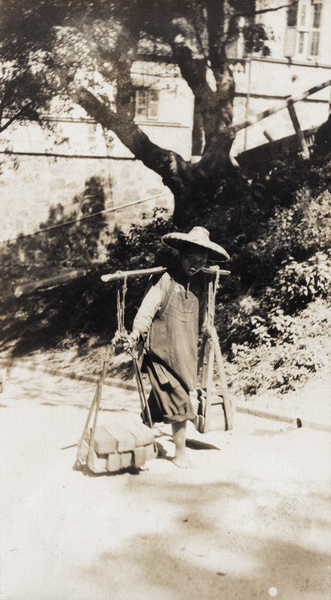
{"type": "Point", "coordinates": [193, 185]}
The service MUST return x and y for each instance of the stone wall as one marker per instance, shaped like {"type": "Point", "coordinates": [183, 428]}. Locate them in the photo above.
{"type": "Point", "coordinates": [37, 184]}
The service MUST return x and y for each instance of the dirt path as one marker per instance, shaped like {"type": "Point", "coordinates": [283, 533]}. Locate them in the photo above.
{"type": "Point", "coordinates": [250, 521]}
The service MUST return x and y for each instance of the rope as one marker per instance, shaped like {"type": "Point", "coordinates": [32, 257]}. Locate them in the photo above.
{"type": "Point", "coordinates": [212, 291]}
{"type": "Point", "coordinates": [121, 293]}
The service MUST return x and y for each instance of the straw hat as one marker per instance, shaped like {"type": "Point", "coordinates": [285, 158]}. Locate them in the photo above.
{"type": "Point", "coordinates": [199, 236]}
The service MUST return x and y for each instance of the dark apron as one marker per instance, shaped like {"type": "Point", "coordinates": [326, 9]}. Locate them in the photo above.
{"type": "Point", "coordinates": [172, 354]}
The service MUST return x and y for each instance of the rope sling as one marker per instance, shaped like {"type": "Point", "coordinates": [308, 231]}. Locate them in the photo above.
{"type": "Point", "coordinates": [84, 457]}
{"type": "Point", "coordinates": [215, 411]}
{"type": "Point", "coordinates": [121, 294]}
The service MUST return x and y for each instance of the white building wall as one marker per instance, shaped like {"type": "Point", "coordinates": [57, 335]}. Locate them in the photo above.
{"type": "Point", "coordinates": [172, 129]}
{"type": "Point", "coordinates": [268, 82]}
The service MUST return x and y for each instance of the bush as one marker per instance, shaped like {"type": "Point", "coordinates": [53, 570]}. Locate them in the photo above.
{"type": "Point", "coordinates": [297, 284]}
{"type": "Point", "coordinates": [255, 327]}
{"type": "Point", "coordinates": [282, 368]}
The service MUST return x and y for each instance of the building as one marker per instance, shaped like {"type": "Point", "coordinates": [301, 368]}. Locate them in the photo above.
{"type": "Point", "coordinates": [47, 174]}
{"type": "Point", "coordinates": [300, 58]}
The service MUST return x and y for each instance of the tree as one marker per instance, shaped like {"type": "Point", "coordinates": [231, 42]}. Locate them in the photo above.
{"type": "Point", "coordinates": [84, 50]}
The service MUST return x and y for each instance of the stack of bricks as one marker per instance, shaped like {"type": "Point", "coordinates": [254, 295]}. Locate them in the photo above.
{"type": "Point", "coordinates": [120, 447]}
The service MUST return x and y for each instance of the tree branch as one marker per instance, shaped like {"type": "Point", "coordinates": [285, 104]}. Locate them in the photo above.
{"type": "Point", "coordinates": [168, 164]}
{"type": "Point", "coordinates": [262, 11]}
{"type": "Point", "coordinates": [15, 117]}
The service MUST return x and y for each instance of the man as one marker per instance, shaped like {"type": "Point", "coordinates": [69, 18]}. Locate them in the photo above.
{"type": "Point", "coordinates": [169, 321]}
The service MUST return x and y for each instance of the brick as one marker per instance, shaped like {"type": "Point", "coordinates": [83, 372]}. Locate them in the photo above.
{"type": "Point", "coordinates": [83, 452]}
{"type": "Point", "coordinates": [126, 460]}
{"type": "Point", "coordinates": [143, 435]}
{"type": "Point", "coordinates": [113, 462]}
{"type": "Point", "coordinates": [149, 452]}
{"type": "Point", "coordinates": [217, 422]}
{"type": "Point", "coordinates": [97, 463]}
{"type": "Point", "coordinates": [104, 442]}
{"type": "Point", "coordinates": [200, 424]}
{"type": "Point", "coordinates": [125, 441]}
{"type": "Point", "coordinates": [139, 457]}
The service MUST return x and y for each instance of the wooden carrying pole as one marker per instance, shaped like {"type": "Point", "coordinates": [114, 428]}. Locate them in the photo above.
{"type": "Point", "coordinates": [134, 273]}
{"type": "Point", "coordinates": [43, 284]}
{"type": "Point", "coordinates": [152, 271]}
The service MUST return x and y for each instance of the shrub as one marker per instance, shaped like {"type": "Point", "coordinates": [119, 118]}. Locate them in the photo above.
{"type": "Point", "coordinates": [259, 327]}
{"type": "Point", "coordinates": [282, 368]}
{"type": "Point", "coordinates": [297, 284]}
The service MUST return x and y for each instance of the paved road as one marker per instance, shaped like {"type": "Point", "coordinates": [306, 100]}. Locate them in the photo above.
{"type": "Point", "coordinates": [251, 521]}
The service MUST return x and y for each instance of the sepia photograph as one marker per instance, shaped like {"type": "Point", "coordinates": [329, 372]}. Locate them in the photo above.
{"type": "Point", "coordinates": [165, 299]}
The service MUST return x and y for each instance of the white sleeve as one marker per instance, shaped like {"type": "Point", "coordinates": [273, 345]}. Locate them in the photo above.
{"type": "Point", "coordinates": [148, 308]}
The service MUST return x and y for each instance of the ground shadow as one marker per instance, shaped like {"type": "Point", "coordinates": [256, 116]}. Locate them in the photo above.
{"type": "Point", "coordinates": [207, 554]}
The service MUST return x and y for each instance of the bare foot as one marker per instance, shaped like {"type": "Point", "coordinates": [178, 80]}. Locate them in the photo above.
{"type": "Point", "coordinates": [182, 462]}
{"type": "Point", "coordinates": [181, 459]}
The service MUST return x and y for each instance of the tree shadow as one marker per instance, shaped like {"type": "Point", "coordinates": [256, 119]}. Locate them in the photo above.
{"type": "Point", "coordinates": [208, 551]}
{"type": "Point", "coordinates": [47, 319]}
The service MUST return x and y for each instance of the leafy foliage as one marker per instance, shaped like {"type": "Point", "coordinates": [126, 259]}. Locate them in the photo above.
{"type": "Point", "coordinates": [255, 37]}
{"type": "Point", "coordinates": [141, 246]}
{"type": "Point", "coordinates": [279, 239]}
{"type": "Point", "coordinates": [297, 284]}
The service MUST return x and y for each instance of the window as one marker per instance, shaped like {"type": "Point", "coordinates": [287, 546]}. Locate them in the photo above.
{"type": "Point", "coordinates": [301, 46]}
{"type": "Point", "coordinates": [315, 29]}
{"type": "Point", "coordinates": [303, 29]}
{"type": "Point", "coordinates": [303, 15]}
{"type": "Point", "coordinates": [314, 43]}
{"type": "Point", "coordinates": [291, 31]}
{"type": "Point", "coordinates": [317, 11]}
{"type": "Point", "coordinates": [147, 103]}
{"type": "Point", "coordinates": [302, 36]}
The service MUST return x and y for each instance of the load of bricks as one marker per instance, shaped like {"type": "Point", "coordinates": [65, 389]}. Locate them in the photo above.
{"type": "Point", "coordinates": [120, 446]}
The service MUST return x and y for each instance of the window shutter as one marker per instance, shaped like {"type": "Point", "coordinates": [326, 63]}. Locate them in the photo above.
{"type": "Point", "coordinates": [314, 43]}
{"type": "Point", "coordinates": [290, 42]}
{"type": "Point", "coordinates": [153, 104]}
{"type": "Point", "coordinates": [141, 103]}
{"type": "Point", "coordinates": [292, 15]}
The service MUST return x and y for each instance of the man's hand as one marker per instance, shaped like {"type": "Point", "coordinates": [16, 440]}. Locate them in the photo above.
{"type": "Point", "coordinates": [131, 340]}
